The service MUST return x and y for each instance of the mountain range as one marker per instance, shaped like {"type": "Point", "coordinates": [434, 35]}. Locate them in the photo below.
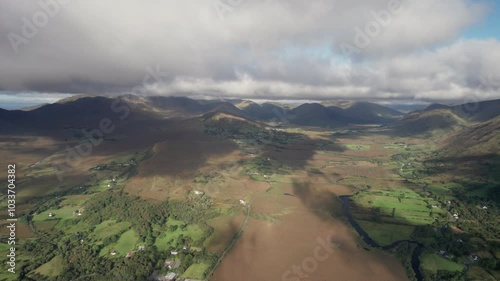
{"type": "Point", "coordinates": [84, 111]}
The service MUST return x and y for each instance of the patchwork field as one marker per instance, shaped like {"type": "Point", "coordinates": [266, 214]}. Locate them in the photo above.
{"type": "Point", "coordinates": [434, 263]}
{"type": "Point", "coordinates": [399, 207]}
{"type": "Point", "coordinates": [127, 242]}
{"type": "Point", "coordinates": [52, 268]}
{"type": "Point", "coordinates": [247, 208]}
{"type": "Point", "coordinates": [178, 234]}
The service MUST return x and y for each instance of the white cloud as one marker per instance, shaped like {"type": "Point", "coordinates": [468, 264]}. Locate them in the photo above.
{"type": "Point", "coordinates": [93, 46]}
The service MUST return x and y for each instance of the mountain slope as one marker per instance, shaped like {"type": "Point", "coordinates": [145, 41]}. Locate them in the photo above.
{"type": "Point", "coordinates": [371, 113]}
{"type": "Point", "coordinates": [480, 139]}
{"type": "Point", "coordinates": [438, 118]}
{"type": "Point", "coordinates": [428, 122]}
{"type": "Point", "coordinates": [313, 114]}
{"type": "Point", "coordinates": [227, 108]}
{"type": "Point", "coordinates": [363, 112]}
{"type": "Point", "coordinates": [478, 112]}
{"type": "Point", "coordinates": [265, 111]}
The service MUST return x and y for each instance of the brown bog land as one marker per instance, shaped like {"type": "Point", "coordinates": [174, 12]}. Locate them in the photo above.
{"type": "Point", "coordinates": [270, 251]}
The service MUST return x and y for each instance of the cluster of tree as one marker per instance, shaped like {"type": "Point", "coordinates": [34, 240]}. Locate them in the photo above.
{"type": "Point", "coordinates": [191, 213]}
{"type": "Point", "coordinates": [114, 205]}
{"type": "Point", "coordinates": [81, 257]}
{"type": "Point", "coordinates": [404, 252]}
{"type": "Point", "coordinates": [443, 275]}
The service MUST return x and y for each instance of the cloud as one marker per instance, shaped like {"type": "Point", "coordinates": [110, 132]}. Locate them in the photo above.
{"type": "Point", "coordinates": [260, 49]}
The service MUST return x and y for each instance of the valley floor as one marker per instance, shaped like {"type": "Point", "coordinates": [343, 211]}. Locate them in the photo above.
{"type": "Point", "coordinates": [229, 207]}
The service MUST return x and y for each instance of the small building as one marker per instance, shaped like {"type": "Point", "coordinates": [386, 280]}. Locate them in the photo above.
{"type": "Point", "coordinates": [113, 253]}
{"type": "Point", "coordinates": [174, 252]}
{"type": "Point", "coordinates": [170, 264]}
{"type": "Point", "coordinates": [141, 248]}
{"type": "Point", "coordinates": [186, 248]}
{"type": "Point", "coordinates": [197, 192]}
{"type": "Point", "coordinates": [129, 255]}
{"type": "Point", "coordinates": [242, 202]}
{"type": "Point", "coordinates": [171, 276]}
{"type": "Point", "coordinates": [485, 208]}
{"type": "Point", "coordinates": [51, 214]}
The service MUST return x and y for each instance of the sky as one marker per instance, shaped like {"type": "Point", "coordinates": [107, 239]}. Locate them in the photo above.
{"type": "Point", "coordinates": [401, 51]}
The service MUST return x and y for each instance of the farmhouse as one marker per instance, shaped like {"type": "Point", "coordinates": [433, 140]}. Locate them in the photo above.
{"type": "Point", "coordinates": [171, 276]}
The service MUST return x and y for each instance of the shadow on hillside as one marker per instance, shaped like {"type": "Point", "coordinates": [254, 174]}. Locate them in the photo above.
{"type": "Point", "coordinates": [297, 154]}
{"type": "Point", "coordinates": [486, 166]}
{"type": "Point", "coordinates": [321, 202]}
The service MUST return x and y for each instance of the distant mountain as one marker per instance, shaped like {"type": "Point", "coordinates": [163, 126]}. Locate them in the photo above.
{"type": "Point", "coordinates": [438, 118]}
{"type": "Point", "coordinates": [265, 111]}
{"type": "Point", "coordinates": [29, 108]}
{"type": "Point", "coordinates": [428, 122]}
{"type": "Point", "coordinates": [77, 111]}
{"type": "Point", "coordinates": [314, 114]}
{"type": "Point", "coordinates": [229, 109]}
{"type": "Point", "coordinates": [363, 112]}
{"type": "Point", "coordinates": [478, 112]}
{"type": "Point", "coordinates": [404, 107]}
{"type": "Point", "coordinates": [366, 112]}
{"type": "Point", "coordinates": [176, 104]}
{"type": "Point", "coordinates": [87, 111]}
{"type": "Point", "coordinates": [480, 139]}
{"type": "Point", "coordinates": [436, 106]}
